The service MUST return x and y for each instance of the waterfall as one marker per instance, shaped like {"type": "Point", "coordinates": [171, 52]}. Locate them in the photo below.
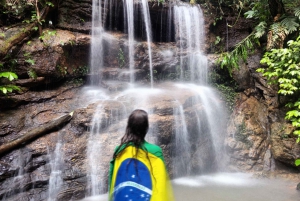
{"type": "Point", "coordinates": [147, 21]}
{"type": "Point", "coordinates": [16, 184]}
{"type": "Point", "coordinates": [182, 155]}
{"type": "Point", "coordinates": [96, 176]}
{"type": "Point", "coordinates": [98, 31]}
{"type": "Point", "coordinates": [190, 39]}
{"type": "Point", "coordinates": [56, 164]}
{"type": "Point", "coordinates": [96, 60]}
{"type": "Point", "coordinates": [169, 21]}
{"type": "Point", "coordinates": [211, 121]}
{"type": "Point", "coordinates": [109, 122]}
{"type": "Point", "coordinates": [129, 10]}
{"type": "Point", "coordinates": [93, 149]}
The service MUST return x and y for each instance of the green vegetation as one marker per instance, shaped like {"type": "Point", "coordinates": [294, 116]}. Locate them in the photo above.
{"type": "Point", "coordinates": [284, 70]}
{"type": "Point", "coordinates": [228, 95]}
{"type": "Point", "coordinates": [63, 70]}
{"type": "Point", "coordinates": [274, 20]}
{"type": "Point", "coordinates": [277, 26]}
{"type": "Point", "coordinates": [81, 70]}
{"type": "Point", "coordinates": [5, 88]}
{"type": "Point", "coordinates": [121, 58]}
{"type": "Point", "coordinates": [32, 74]}
{"type": "Point", "coordinates": [46, 36]}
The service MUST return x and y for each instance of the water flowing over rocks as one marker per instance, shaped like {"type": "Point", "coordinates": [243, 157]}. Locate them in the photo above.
{"type": "Point", "coordinates": [258, 139]}
{"type": "Point", "coordinates": [32, 161]}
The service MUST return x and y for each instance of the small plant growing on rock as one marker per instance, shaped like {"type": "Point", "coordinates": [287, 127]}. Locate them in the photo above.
{"type": "Point", "coordinates": [121, 58]}
{"type": "Point", "coordinates": [32, 74]}
{"type": "Point", "coordinates": [8, 87]}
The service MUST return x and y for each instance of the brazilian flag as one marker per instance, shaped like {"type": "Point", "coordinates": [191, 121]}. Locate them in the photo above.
{"type": "Point", "coordinates": [141, 177]}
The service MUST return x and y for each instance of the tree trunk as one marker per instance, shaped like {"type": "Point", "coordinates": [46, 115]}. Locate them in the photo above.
{"type": "Point", "coordinates": [36, 132]}
{"type": "Point", "coordinates": [276, 8]}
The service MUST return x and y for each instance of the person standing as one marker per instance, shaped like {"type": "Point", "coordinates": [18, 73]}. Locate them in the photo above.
{"type": "Point", "coordinates": [138, 171]}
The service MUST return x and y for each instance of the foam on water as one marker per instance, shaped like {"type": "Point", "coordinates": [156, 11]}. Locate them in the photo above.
{"type": "Point", "coordinates": [228, 179]}
{"type": "Point", "coordinates": [102, 197]}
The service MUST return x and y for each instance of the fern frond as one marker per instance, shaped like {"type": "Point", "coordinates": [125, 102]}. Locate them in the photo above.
{"type": "Point", "coordinates": [230, 60]}
{"type": "Point", "coordinates": [276, 35]}
{"type": "Point", "coordinates": [297, 12]}
{"type": "Point", "coordinates": [290, 24]}
{"type": "Point", "coordinates": [260, 29]}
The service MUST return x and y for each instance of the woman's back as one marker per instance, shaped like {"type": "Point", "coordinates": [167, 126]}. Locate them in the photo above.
{"type": "Point", "coordinates": [137, 171]}
{"type": "Point", "coordinates": [140, 176]}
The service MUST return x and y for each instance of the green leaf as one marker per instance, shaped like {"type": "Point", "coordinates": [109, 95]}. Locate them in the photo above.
{"type": "Point", "coordinates": [250, 14]}
{"type": "Point", "coordinates": [292, 113]}
{"type": "Point", "coordinates": [30, 61]}
{"type": "Point", "coordinates": [290, 24]}
{"type": "Point", "coordinates": [50, 4]}
{"type": "Point", "coordinates": [297, 12]}
{"type": "Point", "coordinates": [297, 132]}
{"type": "Point", "coordinates": [297, 162]}
{"type": "Point", "coordinates": [9, 75]}
{"type": "Point", "coordinates": [4, 90]}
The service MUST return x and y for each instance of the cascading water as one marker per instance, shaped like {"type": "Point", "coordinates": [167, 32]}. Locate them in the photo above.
{"type": "Point", "coordinates": [129, 10]}
{"type": "Point", "coordinates": [16, 185]}
{"type": "Point", "coordinates": [94, 171]}
{"type": "Point", "coordinates": [188, 156]}
{"type": "Point", "coordinates": [56, 163]}
{"type": "Point", "coordinates": [210, 123]}
{"type": "Point", "coordinates": [186, 119]}
{"type": "Point", "coordinates": [147, 21]}
{"type": "Point", "coordinates": [190, 37]}
{"type": "Point", "coordinates": [96, 42]}
{"type": "Point", "coordinates": [182, 155]}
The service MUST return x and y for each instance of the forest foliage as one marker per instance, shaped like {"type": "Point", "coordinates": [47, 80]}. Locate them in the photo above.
{"type": "Point", "coordinates": [276, 27]}
{"type": "Point", "coordinates": [278, 23]}
{"type": "Point", "coordinates": [30, 14]}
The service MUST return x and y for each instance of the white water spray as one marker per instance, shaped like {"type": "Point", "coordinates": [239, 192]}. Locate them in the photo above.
{"type": "Point", "coordinates": [129, 5]}
{"type": "Point", "coordinates": [182, 158]}
{"type": "Point", "coordinates": [56, 163]}
{"type": "Point", "coordinates": [190, 36]}
{"type": "Point", "coordinates": [147, 21]}
{"type": "Point", "coordinates": [93, 149]}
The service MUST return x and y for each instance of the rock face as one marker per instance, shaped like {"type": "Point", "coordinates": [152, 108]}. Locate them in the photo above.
{"type": "Point", "coordinates": [257, 136]}
{"type": "Point", "coordinates": [247, 139]}
{"type": "Point", "coordinates": [26, 172]}
{"type": "Point", "coordinates": [259, 139]}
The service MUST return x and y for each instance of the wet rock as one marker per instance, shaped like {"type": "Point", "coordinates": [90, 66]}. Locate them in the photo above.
{"type": "Point", "coordinates": [247, 134]}
{"type": "Point", "coordinates": [55, 55]}
{"type": "Point", "coordinates": [75, 15]}
{"type": "Point", "coordinates": [11, 122]}
{"type": "Point", "coordinates": [242, 76]}
{"type": "Point", "coordinates": [283, 143]}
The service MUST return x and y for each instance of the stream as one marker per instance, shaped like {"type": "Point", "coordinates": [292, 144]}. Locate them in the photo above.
{"type": "Point", "coordinates": [228, 187]}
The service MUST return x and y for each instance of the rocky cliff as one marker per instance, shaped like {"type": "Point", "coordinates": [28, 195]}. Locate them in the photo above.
{"type": "Point", "coordinates": [258, 139]}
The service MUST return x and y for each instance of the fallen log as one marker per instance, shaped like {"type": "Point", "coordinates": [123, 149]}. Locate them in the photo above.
{"type": "Point", "coordinates": [36, 132]}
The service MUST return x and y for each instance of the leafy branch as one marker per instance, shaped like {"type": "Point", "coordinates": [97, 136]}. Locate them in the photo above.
{"type": "Point", "coordinates": [283, 69]}
{"type": "Point", "coordinates": [230, 60]}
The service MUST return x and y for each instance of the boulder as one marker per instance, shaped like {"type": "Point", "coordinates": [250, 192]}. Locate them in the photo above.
{"type": "Point", "coordinates": [247, 134]}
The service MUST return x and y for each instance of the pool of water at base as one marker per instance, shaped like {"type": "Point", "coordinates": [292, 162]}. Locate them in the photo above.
{"type": "Point", "coordinates": [228, 187]}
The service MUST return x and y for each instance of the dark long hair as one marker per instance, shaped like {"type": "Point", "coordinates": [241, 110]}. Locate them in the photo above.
{"type": "Point", "coordinates": [136, 130]}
